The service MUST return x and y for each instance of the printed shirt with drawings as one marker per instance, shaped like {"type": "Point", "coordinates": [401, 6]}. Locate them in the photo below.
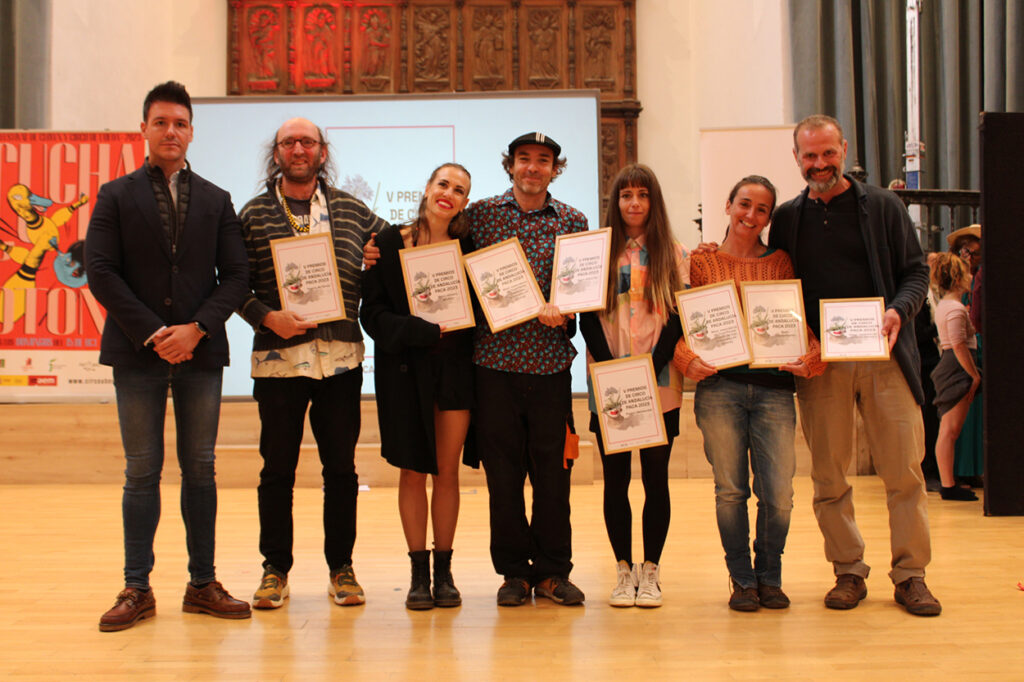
{"type": "Point", "coordinates": [634, 329]}
{"type": "Point", "coordinates": [530, 347]}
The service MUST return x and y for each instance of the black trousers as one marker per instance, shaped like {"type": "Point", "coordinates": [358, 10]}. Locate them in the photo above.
{"type": "Point", "coordinates": [657, 512]}
{"type": "Point", "coordinates": [520, 424]}
{"type": "Point", "coordinates": [335, 419]}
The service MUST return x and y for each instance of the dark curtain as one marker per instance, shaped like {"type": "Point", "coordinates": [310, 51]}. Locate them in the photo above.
{"type": "Point", "coordinates": [849, 61]}
{"type": "Point", "coordinates": [6, 63]}
{"type": "Point", "coordinates": [24, 63]}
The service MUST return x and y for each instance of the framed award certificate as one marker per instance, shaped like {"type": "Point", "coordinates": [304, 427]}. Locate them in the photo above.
{"type": "Point", "coordinates": [774, 316]}
{"type": "Point", "coordinates": [851, 329]}
{"type": "Point", "coordinates": [504, 284]}
{"type": "Point", "coordinates": [713, 324]}
{"type": "Point", "coordinates": [628, 405]}
{"type": "Point", "coordinates": [435, 283]}
{"type": "Point", "coordinates": [579, 278]}
{"type": "Point", "coordinates": [307, 277]}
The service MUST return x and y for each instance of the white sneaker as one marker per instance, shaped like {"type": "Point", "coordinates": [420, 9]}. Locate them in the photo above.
{"type": "Point", "coordinates": [648, 594]}
{"type": "Point", "coordinates": [624, 593]}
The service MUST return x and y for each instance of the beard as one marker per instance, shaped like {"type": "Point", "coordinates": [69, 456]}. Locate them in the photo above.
{"type": "Point", "coordinates": [822, 187]}
{"type": "Point", "coordinates": [300, 174]}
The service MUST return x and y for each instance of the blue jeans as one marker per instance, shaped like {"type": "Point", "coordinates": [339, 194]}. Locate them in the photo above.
{"type": "Point", "coordinates": [738, 420]}
{"type": "Point", "coordinates": [141, 406]}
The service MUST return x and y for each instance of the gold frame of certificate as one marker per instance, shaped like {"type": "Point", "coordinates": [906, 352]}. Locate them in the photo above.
{"type": "Point", "coordinates": [504, 284]}
{"type": "Point", "coordinates": [435, 284]}
{"type": "Point", "coordinates": [306, 270]}
{"type": "Point", "coordinates": [776, 323]}
{"type": "Point", "coordinates": [628, 403]}
{"type": "Point", "coordinates": [713, 324]}
{"type": "Point", "coordinates": [579, 277]}
{"type": "Point", "coordinates": [851, 329]}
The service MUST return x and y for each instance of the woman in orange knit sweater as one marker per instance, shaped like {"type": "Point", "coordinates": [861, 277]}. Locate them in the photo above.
{"type": "Point", "coordinates": [747, 416]}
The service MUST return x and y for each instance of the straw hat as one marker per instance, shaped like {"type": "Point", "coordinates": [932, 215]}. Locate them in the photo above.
{"type": "Point", "coordinates": [969, 231]}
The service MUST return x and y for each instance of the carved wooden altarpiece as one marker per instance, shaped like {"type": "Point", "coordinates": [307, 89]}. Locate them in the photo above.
{"type": "Point", "coordinates": [339, 47]}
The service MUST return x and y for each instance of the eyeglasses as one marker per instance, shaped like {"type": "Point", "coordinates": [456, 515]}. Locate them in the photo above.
{"type": "Point", "coordinates": [306, 142]}
{"type": "Point", "coordinates": [968, 253]}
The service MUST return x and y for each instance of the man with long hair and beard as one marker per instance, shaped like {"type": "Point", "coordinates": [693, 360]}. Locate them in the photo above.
{"type": "Point", "coordinates": [298, 364]}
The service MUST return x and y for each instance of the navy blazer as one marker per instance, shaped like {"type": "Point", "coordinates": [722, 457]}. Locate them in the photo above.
{"type": "Point", "coordinates": [134, 275]}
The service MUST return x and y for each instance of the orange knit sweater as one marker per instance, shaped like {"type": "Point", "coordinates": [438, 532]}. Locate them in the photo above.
{"type": "Point", "coordinates": [708, 268]}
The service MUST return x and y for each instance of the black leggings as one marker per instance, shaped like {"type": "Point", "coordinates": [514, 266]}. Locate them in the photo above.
{"type": "Point", "coordinates": [618, 515]}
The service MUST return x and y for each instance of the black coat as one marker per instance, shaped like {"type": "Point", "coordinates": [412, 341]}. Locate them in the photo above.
{"type": "Point", "coordinates": [405, 390]}
{"type": "Point", "coordinates": [143, 286]}
{"type": "Point", "coordinates": [895, 261]}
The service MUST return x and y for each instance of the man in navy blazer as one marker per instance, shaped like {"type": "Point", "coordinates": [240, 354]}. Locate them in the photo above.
{"type": "Point", "coordinates": [165, 257]}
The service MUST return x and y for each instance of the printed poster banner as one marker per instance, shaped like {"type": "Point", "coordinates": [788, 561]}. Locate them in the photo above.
{"type": "Point", "coordinates": [50, 323]}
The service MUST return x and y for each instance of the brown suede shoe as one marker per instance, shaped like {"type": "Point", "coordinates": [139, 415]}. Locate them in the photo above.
{"type": "Point", "coordinates": [847, 593]}
{"type": "Point", "coordinates": [132, 605]}
{"type": "Point", "coordinates": [744, 598]}
{"type": "Point", "coordinates": [916, 598]}
{"type": "Point", "coordinates": [772, 596]}
{"type": "Point", "coordinates": [214, 600]}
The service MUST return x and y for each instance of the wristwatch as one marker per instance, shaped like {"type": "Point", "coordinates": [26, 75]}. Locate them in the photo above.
{"type": "Point", "coordinates": [199, 328]}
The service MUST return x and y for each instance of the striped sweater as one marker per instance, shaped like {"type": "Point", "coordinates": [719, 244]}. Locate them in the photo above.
{"type": "Point", "coordinates": [263, 220]}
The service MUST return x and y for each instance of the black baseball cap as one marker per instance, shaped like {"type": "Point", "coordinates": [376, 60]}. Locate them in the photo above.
{"type": "Point", "coordinates": [534, 138]}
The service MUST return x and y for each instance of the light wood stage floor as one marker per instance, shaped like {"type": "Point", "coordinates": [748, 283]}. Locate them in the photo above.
{"type": "Point", "coordinates": [64, 569]}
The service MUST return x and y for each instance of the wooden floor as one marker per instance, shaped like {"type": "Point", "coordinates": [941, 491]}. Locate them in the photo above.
{"type": "Point", "coordinates": [63, 569]}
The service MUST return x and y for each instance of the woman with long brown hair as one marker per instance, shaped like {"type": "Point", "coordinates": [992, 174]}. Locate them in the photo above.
{"type": "Point", "coordinates": [647, 267]}
{"type": "Point", "coordinates": [424, 383]}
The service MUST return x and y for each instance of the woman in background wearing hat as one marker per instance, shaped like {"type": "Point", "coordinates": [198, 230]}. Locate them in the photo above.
{"type": "Point", "coordinates": [648, 267]}
{"type": "Point", "coordinates": [968, 463]}
{"type": "Point", "coordinates": [956, 377]}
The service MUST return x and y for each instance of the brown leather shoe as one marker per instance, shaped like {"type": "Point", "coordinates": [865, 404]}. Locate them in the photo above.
{"type": "Point", "coordinates": [214, 600]}
{"type": "Point", "coordinates": [916, 598]}
{"type": "Point", "coordinates": [847, 593]}
{"type": "Point", "coordinates": [132, 605]}
{"type": "Point", "coordinates": [744, 598]}
{"type": "Point", "coordinates": [772, 596]}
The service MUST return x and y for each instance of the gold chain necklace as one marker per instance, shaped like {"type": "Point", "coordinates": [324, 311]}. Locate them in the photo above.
{"type": "Point", "coordinates": [301, 229]}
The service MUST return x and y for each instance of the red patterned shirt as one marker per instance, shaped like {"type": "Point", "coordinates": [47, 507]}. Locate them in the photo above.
{"type": "Point", "coordinates": [531, 347]}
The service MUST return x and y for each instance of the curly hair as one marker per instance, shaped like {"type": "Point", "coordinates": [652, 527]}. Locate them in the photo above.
{"type": "Point", "coordinates": [949, 273]}
{"type": "Point", "coordinates": [558, 165]}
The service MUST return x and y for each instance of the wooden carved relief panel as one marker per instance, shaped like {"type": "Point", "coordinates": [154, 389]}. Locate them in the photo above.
{"type": "Point", "coordinates": [489, 52]}
{"type": "Point", "coordinates": [339, 47]}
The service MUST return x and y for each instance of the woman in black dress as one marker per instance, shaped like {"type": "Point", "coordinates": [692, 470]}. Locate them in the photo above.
{"type": "Point", "coordinates": [424, 382]}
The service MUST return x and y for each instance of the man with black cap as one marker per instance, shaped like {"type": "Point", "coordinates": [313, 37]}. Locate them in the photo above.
{"type": "Point", "coordinates": [523, 391]}
{"type": "Point", "coordinates": [523, 394]}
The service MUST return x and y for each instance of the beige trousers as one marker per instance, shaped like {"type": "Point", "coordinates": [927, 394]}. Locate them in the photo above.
{"type": "Point", "coordinates": [895, 432]}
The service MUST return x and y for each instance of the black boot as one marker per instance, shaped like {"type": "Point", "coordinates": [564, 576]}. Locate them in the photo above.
{"type": "Point", "coordinates": [445, 592]}
{"type": "Point", "coordinates": [419, 598]}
